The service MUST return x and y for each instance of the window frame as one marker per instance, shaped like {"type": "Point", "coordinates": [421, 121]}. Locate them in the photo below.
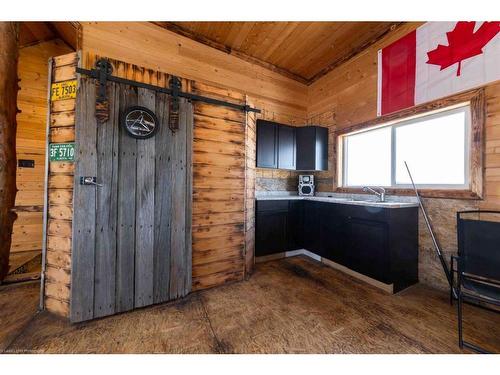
{"type": "Point", "coordinates": [394, 125]}
{"type": "Point", "coordinates": [472, 189]}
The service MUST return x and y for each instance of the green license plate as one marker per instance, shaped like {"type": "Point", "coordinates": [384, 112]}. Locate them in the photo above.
{"type": "Point", "coordinates": [62, 152]}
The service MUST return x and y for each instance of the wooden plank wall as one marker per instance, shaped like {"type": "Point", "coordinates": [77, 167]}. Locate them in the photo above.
{"type": "Point", "coordinates": [281, 99]}
{"type": "Point", "coordinates": [218, 189]}
{"type": "Point", "coordinates": [30, 142]}
{"type": "Point", "coordinates": [60, 212]}
{"type": "Point", "coordinates": [348, 95]}
{"type": "Point", "coordinates": [492, 149]}
{"type": "Point", "coordinates": [165, 51]}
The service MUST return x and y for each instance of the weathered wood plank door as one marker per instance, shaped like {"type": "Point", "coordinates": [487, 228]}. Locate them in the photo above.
{"type": "Point", "coordinates": [132, 235]}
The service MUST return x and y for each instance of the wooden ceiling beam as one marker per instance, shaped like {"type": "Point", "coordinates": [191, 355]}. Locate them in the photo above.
{"type": "Point", "coordinates": [226, 49]}
{"type": "Point", "coordinates": [32, 33]}
{"type": "Point", "coordinates": [68, 32]}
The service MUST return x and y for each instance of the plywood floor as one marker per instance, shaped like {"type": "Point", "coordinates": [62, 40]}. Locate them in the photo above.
{"type": "Point", "coordinates": [293, 305]}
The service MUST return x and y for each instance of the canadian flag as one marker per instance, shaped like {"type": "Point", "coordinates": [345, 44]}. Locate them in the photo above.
{"type": "Point", "coordinates": [438, 59]}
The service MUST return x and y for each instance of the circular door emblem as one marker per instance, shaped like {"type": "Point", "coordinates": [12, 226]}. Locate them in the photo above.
{"type": "Point", "coordinates": [140, 122]}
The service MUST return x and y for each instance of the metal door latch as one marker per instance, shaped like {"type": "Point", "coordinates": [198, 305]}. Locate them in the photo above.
{"type": "Point", "coordinates": [89, 180]}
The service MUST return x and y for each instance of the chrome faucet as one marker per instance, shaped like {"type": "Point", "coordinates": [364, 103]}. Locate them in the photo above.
{"type": "Point", "coordinates": [380, 194]}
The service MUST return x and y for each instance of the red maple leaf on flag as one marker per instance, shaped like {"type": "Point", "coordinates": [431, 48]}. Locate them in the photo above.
{"type": "Point", "coordinates": [463, 43]}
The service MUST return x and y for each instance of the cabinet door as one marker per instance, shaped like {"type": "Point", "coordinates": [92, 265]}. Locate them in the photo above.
{"type": "Point", "coordinates": [306, 148]}
{"type": "Point", "coordinates": [311, 227]}
{"type": "Point", "coordinates": [323, 213]}
{"type": "Point", "coordinates": [321, 143]}
{"type": "Point", "coordinates": [368, 252]}
{"type": "Point", "coordinates": [312, 148]}
{"type": "Point", "coordinates": [270, 233]}
{"type": "Point", "coordinates": [295, 225]}
{"type": "Point", "coordinates": [286, 147]}
{"type": "Point", "coordinates": [267, 148]}
{"type": "Point", "coordinates": [333, 230]}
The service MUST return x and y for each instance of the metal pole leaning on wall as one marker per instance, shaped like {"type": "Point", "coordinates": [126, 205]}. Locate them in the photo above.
{"type": "Point", "coordinates": [46, 191]}
{"type": "Point", "coordinates": [433, 237]}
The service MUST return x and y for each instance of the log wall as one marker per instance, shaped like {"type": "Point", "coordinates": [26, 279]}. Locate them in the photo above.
{"type": "Point", "coordinates": [30, 142]}
{"type": "Point", "coordinates": [348, 95]}
{"type": "Point", "coordinates": [57, 277]}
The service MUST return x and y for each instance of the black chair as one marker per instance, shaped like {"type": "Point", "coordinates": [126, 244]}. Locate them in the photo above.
{"type": "Point", "coordinates": [478, 265]}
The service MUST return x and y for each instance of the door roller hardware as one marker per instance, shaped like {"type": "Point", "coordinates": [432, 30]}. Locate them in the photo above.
{"type": "Point", "coordinates": [102, 73]}
{"type": "Point", "coordinates": [89, 180]}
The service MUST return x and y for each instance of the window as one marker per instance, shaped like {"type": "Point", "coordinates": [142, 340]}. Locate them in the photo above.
{"type": "Point", "coordinates": [435, 146]}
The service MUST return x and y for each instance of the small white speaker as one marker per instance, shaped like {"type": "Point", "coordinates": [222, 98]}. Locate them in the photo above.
{"type": "Point", "coordinates": [306, 185]}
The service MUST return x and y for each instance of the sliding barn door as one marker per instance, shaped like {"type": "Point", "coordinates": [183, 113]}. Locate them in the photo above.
{"type": "Point", "coordinates": [132, 232]}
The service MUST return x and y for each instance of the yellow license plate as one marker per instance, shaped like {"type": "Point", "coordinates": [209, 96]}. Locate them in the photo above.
{"type": "Point", "coordinates": [63, 90]}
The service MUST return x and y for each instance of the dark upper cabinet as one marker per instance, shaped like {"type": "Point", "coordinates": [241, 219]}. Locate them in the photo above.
{"type": "Point", "coordinates": [276, 146]}
{"type": "Point", "coordinates": [267, 144]}
{"type": "Point", "coordinates": [312, 148]}
{"type": "Point", "coordinates": [286, 147]}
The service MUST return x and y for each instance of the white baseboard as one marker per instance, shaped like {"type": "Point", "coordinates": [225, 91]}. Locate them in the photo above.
{"type": "Point", "coordinates": [287, 254]}
{"type": "Point", "coordinates": [389, 288]}
{"type": "Point", "coordinates": [303, 252]}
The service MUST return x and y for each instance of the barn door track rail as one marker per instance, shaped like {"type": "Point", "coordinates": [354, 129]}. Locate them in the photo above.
{"type": "Point", "coordinates": [103, 73]}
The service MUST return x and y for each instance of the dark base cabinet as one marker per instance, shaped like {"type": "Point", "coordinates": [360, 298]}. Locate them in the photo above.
{"type": "Point", "coordinates": [381, 243]}
{"type": "Point", "coordinates": [271, 223]}
{"type": "Point", "coordinates": [333, 230]}
{"type": "Point", "coordinates": [368, 249]}
{"type": "Point", "coordinates": [278, 226]}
